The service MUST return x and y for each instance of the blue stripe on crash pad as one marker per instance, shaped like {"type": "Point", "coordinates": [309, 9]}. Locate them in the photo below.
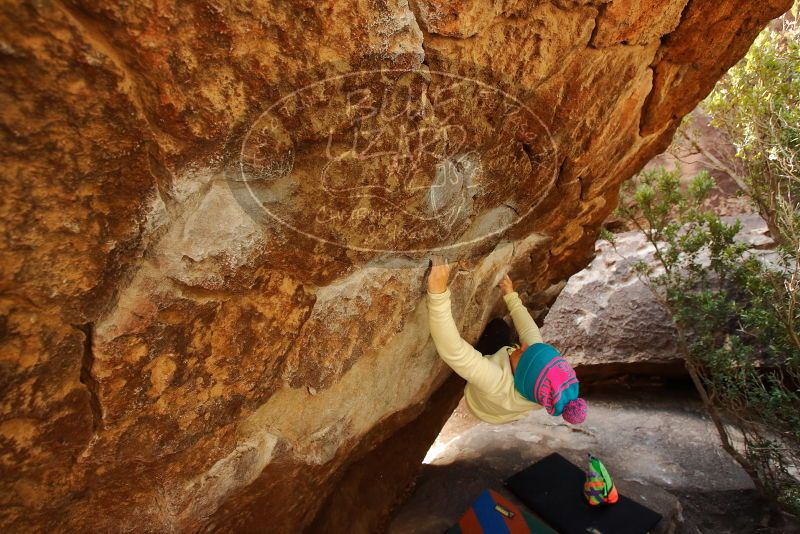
{"type": "Point", "coordinates": [490, 519]}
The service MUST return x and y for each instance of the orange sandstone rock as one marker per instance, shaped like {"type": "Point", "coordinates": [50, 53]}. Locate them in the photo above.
{"type": "Point", "coordinates": [216, 218]}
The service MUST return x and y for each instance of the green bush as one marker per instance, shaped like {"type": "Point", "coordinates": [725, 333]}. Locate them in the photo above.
{"type": "Point", "coordinates": [738, 318]}
{"type": "Point", "coordinates": [757, 105]}
{"type": "Point", "coordinates": [738, 323]}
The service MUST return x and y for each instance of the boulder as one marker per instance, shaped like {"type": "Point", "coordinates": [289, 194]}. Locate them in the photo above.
{"type": "Point", "coordinates": [607, 322]}
{"type": "Point", "coordinates": [216, 218]}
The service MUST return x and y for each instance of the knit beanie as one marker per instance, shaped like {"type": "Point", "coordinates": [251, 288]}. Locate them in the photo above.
{"type": "Point", "coordinates": [544, 377]}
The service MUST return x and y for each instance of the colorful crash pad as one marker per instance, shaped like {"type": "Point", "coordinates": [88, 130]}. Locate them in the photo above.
{"type": "Point", "coordinates": [491, 513]}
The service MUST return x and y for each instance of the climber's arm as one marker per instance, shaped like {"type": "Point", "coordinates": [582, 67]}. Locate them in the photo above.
{"type": "Point", "coordinates": [526, 327]}
{"type": "Point", "coordinates": [454, 350]}
{"type": "Point", "coordinates": [523, 322]}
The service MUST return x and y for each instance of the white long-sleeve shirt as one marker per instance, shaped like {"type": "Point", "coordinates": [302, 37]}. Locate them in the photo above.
{"type": "Point", "coordinates": [490, 391]}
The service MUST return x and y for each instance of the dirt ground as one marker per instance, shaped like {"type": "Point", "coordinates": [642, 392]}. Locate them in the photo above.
{"type": "Point", "coordinates": [659, 440]}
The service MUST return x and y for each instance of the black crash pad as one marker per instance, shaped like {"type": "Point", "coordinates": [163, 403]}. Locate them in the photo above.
{"type": "Point", "coordinates": [553, 488]}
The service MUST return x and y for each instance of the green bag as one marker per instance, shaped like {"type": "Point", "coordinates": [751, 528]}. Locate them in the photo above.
{"type": "Point", "coordinates": [598, 488]}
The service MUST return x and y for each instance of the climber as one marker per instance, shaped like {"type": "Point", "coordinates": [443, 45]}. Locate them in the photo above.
{"type": "Point", "coordinates": [504, 382]}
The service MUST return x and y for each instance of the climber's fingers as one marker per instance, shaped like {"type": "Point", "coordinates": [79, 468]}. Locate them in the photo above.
{"type": "Point", "coordinates": [440, 264]}
{"type": "Point", "coordinates": [439, 275]}
{"type": "Point", "coordinates": [506, 285]}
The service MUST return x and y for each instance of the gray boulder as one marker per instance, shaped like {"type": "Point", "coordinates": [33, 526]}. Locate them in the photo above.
{"type": "Point", "coordinates": [607, 322]}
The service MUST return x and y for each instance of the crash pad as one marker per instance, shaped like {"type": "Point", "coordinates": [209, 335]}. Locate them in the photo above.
{"type": "Point", "coordinates": [553, 488]}
{"type": "Point", "coordinates": [491, 513]}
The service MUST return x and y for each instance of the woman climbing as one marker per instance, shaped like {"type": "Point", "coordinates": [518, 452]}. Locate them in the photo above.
{"type": "Point", "coordinates": [504, 382]}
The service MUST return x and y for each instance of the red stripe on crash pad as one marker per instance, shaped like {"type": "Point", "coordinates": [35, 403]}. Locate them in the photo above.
{"type": "Point", "coordinates": [469, 523]}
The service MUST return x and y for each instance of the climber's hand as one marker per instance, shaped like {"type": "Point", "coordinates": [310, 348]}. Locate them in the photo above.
{"type": "Point", "coordinates": [439, 275]}
{"type": "Point", "coordinates": [506, 286]}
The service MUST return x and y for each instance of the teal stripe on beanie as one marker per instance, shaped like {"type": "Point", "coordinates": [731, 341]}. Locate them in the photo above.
{"type": "Point", "coordinates": [544, 377]}
{"type": "Point", "coordinates": [530, 366]}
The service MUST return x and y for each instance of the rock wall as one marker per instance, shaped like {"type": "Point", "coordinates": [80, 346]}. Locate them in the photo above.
{"type": "Point", "coordinates": [214, 245]}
